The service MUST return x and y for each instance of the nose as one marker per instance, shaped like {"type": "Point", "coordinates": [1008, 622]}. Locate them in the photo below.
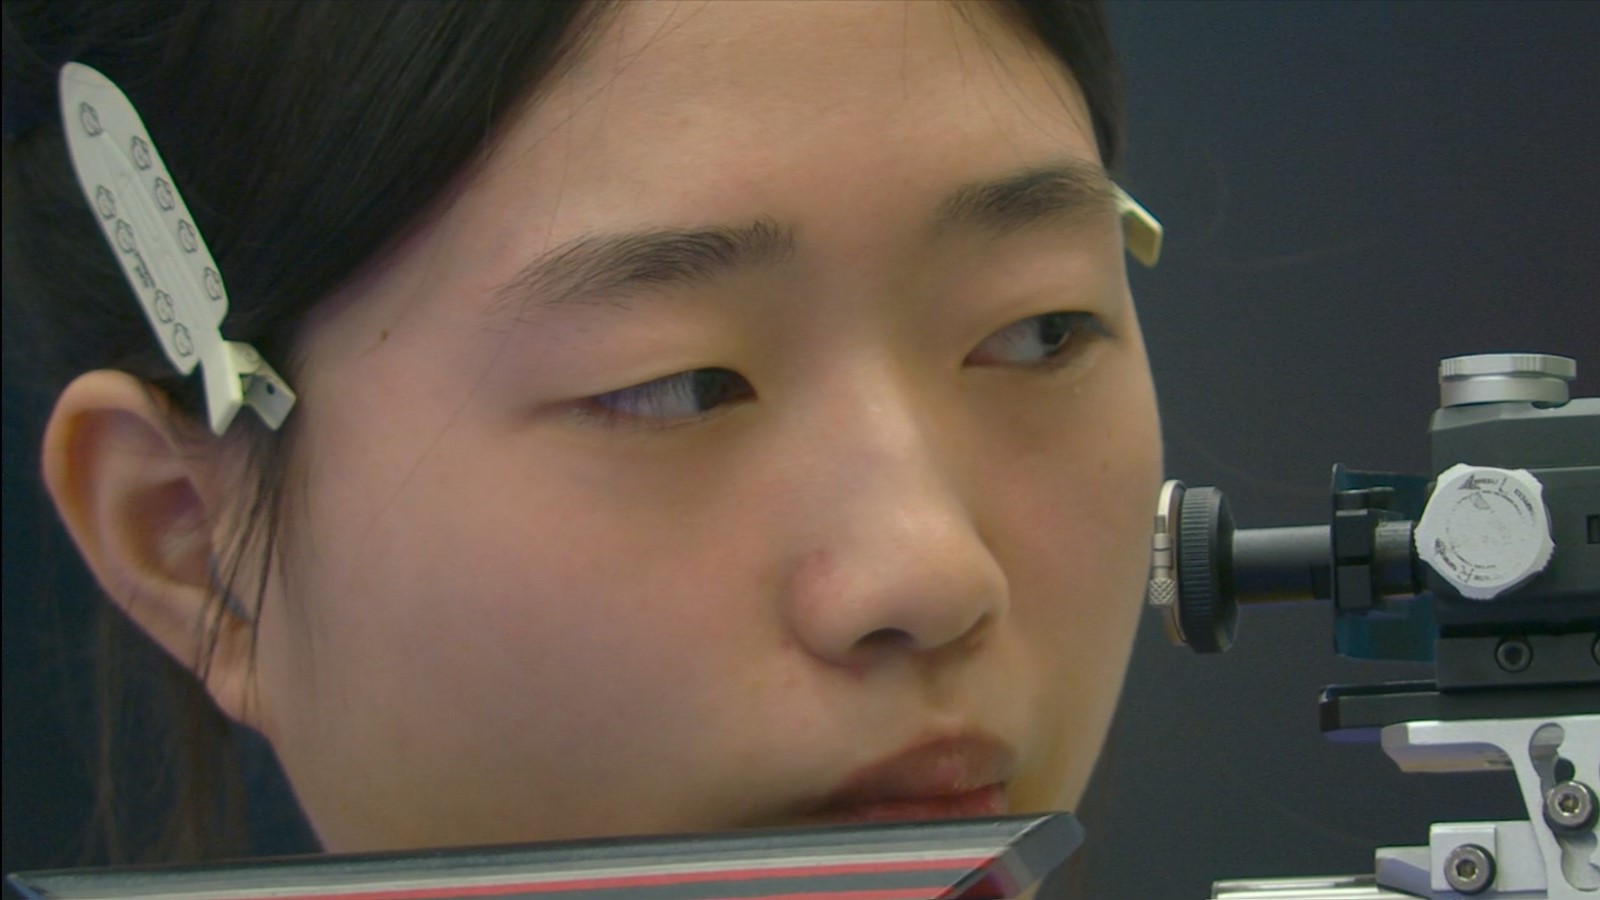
{"type": "Point", "coordinates": [892, 562]}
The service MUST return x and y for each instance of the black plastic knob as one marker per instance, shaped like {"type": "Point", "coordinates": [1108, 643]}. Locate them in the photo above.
{"type": "Point", "coordinates": [1208, 612]}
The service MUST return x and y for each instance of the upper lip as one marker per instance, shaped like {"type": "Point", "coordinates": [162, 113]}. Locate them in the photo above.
{"type": "Point", "coordinates": [929, 769]}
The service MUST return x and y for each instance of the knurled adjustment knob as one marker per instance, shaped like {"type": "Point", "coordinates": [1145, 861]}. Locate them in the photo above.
{"type": "Point", "coordinates": [1207, 608]}
{"type": "Point", "coordinates": [1505, 378]}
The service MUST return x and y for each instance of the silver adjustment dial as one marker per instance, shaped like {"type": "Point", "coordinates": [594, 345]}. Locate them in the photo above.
{"type": "Point", "coordinates": [1485, 530]}
{"type": "Point", "coordinates": [1505, 378]}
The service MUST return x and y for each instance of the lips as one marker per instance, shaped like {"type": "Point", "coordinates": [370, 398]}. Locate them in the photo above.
{"type": "Point", "coordinates": [946, 778]}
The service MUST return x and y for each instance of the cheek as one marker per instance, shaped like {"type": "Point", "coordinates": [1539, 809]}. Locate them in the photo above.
{"type": "Point", "coordinates": [1074, 489]}
{"type": "Point", "coordinates": [1081, 553]}
{"type": "Point", "coordinates": [504, 575]}
{"type": "Point", "coordinates": [1077, 497]}
{"type": "Point", "coordinates": [464, 628]}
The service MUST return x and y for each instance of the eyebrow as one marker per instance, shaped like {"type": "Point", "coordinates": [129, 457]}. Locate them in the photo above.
{"type": "Point", "coordinates": [610, 266]}
{"type": "Point", "coordinates": [601, 268]}
{"type": "Point", "coordinates": [1063, 191]}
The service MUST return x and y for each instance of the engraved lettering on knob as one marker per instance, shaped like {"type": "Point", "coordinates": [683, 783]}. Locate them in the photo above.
{"type": "Point", "coordinates": [140, 151]}
{"type": "Point", "coordinates": [181, 340]}
{"type": "Point", "coordinates": [163, 306]}
{"type": "Point", "coordinates": [186, 238]}
{"type": "Point", "coordinates": [213, 284]}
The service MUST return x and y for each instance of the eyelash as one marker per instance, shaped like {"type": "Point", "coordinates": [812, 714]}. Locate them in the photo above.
{"type": "Point", "coordinates": [712, 391]}
{"type": "Point", "coordinates": [1069, 331]}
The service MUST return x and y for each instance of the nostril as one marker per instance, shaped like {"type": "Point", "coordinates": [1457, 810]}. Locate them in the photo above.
{"type": "Point", "coordinates": [887, 639]}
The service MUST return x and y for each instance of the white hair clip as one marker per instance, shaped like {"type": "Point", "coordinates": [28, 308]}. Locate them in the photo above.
{"type": "Point", "coordinates": [161, 251]}
{"type": "Point", "coordinates": [1141, 232]}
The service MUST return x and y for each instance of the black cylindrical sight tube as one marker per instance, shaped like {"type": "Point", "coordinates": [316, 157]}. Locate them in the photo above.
{"type": "Point", "coordinates": [1277, 564]}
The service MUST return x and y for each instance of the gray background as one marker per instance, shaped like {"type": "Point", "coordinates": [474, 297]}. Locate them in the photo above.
{"type": "Point", "coordinates": [1351, 191]}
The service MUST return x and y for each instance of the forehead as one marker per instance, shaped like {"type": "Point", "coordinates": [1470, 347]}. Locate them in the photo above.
{"type": "Point", "coordinates": [850, 122]}
{"type": "Point", "coordinates": [677, 55]}
{"type": "Point", "coordinates": [692, 111]}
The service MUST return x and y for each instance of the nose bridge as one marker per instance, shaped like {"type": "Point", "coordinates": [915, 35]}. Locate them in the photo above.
{"type": "Point", "coordinates": [890, 557]}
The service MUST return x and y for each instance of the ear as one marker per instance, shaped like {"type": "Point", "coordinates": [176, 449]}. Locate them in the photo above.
{"type": "Point", "coordinates": [139, 492]}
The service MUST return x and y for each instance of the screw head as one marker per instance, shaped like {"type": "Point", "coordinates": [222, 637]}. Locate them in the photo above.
{"type": "Point", "coordinates": [1469, 869]}
{"type": "Point", "coordinates": [1513, 655]}
{"type": "Point", "coordinates": [1570, 806]}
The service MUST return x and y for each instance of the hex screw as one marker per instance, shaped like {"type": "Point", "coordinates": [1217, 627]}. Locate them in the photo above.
{"type": "Point", "coordinates": [1570, 806]}
{"type": "Point", "coordinates": [1513, 655]}
{"type": "Point", "coordinates": [1469, 869]}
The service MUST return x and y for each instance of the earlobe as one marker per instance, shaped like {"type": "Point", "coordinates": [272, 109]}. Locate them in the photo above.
{"type": "Point", "coordinates": [139, 495]}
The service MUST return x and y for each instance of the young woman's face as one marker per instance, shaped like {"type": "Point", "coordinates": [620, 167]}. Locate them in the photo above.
{"type": "Point", "coordinates": [763, 436]}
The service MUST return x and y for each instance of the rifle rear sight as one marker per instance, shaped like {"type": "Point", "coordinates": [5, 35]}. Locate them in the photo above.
{"type": "Point", "coordinates": [1490, 569]}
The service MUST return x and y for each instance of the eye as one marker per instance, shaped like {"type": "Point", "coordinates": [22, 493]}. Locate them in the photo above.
{"type": "Point", "coordinates": [1038, 340]}
{"type": "Point", "coordinates": [670, 400]}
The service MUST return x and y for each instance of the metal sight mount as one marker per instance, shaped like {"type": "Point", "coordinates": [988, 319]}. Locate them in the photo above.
{"type": "Point", "coordinates": [1490, 568]}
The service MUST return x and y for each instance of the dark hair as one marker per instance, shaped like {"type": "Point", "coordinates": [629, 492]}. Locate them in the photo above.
{"type": "Point", "coordinates": [307, 138]}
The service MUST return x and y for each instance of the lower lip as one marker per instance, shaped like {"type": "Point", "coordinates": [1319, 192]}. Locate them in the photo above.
{"type": "Point", "coordinates": [989, 800]}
